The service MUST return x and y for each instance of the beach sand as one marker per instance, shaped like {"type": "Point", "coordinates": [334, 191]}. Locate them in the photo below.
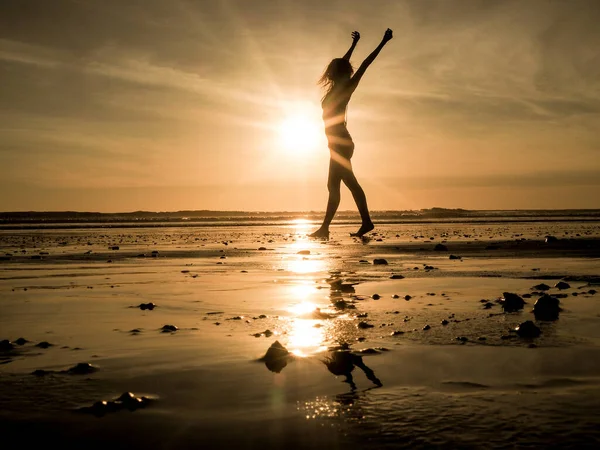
{"type": "Point", "coordinates": [232, 292]}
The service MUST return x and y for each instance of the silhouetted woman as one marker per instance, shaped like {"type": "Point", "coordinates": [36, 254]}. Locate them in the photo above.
{"type": "Point", "coordinates": [340, 83]}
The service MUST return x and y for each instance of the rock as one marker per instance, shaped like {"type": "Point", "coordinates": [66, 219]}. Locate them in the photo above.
{"type": "Point", "coordinates": [528, 329]}
{"type": "Point", "coordinates": [546, 308]}
{"type": "Point", "coordinates": [454, 257]}
{"type": "Point", "coordinates": [396, 333]}
{"type": "Point", "coordinates": [550, 239]}
{"type": "Point", "coordinates": [43, 344]}
{"type": "Point", "coordinates": [113, 247]}
{"type": "Point", "coordinates": [562, 285]}
{"type": "Point", "coordinates": [440, 248]}
{"type": "Point", "coordinates": [462, 339]}
{"type": "Point", "coordinates": [512, 302]}
{"type": "Point", "coordinates": [368, 351]}
{"type": "Point", "coordinates": [396, 276]}
{"type": "Point", "coordinates": [407, 297]}
{"type": "Point", "coordinates": [426, 327]}
{"type": "Point", "coordinates": [169, 328]}
{"type": "Point", "coordinates": [379, 261]}
{"type": "Point", "coordinates": [445, 322]}
{"type": "Point", "coordinates": [395, 296]}
{"type": "Point", "coordinates": [40, 372]}
{"type": "Point", "coordinates": [82, 369]}
{"type": "Point", "coordinates": [541, 287]}
{"type": "Point", "coordinates": [591, 291]}
{"type": "Point", "coordinates": [144, 306]}
{"type": "Point", "coordinates": [363, 325]}
{"type": "Point", "coordinates": [376, 296]}
{"type": "Point", "coordinates": [276, 358]}
{"type": "Point", "coordinates": [21, 341]}
{"type": "Point", "coordinates": [6, 345]}
{"type": "Point", "coordinates": [262, 248]}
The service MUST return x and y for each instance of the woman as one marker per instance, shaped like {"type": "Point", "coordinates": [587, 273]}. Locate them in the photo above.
{"type": "Point", "coordinates": [340, 82]}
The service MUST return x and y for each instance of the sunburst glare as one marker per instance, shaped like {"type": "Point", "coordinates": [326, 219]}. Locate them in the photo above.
{"type": "Point", "coordinates": [300, 130]}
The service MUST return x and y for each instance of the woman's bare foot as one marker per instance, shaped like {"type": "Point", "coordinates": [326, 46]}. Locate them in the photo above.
{"type": "Point", "coordinates": [364, 229]}
{"type": "Point", "coordinates": [321, 233]}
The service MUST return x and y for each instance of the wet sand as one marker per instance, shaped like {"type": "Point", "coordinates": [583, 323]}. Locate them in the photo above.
{"type": "Point", "coordinates": [453, 373]}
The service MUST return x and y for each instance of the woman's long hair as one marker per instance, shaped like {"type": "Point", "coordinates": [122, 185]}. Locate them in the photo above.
{"type": "Point", "coordinates": [338, 70]}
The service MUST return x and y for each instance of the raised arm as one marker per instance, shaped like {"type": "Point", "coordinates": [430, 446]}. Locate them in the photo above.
{"type": "Point", "coordinates": [367, 62]}
{"type": "Point", "coordinates": [355, 38]}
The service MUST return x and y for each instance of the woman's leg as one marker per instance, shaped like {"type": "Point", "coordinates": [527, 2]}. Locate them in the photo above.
{"type": "Point", "coordinates": [361, 202]}
{"type": "Point", "coordinates": [334, 182]}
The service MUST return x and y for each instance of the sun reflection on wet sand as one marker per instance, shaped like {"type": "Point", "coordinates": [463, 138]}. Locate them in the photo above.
{"type": "Point", "coordinates": [301, 265]}
{"type": "Point", "coordinates": [301, 226]}
{"type": "Point", "coordinates": [306, 337]}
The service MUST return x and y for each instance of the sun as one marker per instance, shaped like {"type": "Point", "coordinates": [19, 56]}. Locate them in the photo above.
{"type": "Point", "coordinates": [299, 132]}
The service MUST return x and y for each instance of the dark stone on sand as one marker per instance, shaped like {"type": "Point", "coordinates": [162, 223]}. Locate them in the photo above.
{"type": "Point", "coordinates": [396, 276]}
{"type": "Point", "coordinates": [550, 239]}
{"type": "Point", "coordinates": [113, 247]}
{"type": "Point", "coordinates": [82, 369]}
{"type": "Point", "coordinates": [169, 328]}
{"type": "Point", "coordinates": [43, 344]}
{"type": "Point", "coordinates": [445, 322]}
{"type": "Point", "coordinates": [592, 291]}
{"type": "Point", "coordinates": [303, 252]}
{"type": "Point", "coordinates": [135, 331]}
{"type": "Point", "coordinates": [6, 345]}
{"type": "Point", "coordinates": [562, 285]}
{"type": "Point", "coordinates": [368, 351]}
{"type": "Point", "coordinates": [440, 248]}
{"type": "Point", "coordinates": [512, 302]}
{"type": "Point", "coordinates": [482, 338]}
{"type": "Point", "coordinates": [526, 295]}
{"type": "Point", "coordinates": [144, 306]}
{"type": "Point", "coordinates": [276, 358]}
{"type": "Point", "coordinates": [126, 401]}
{"type": "Point", "coordinates": [488, 305]}
{"type": "Point", "coordinates": [21, 341]}
{"type": "Point", "coordinates": [364, 325]}
{"type": "Point", "coordinates": [426, 327]}
{"type": "Point", "coordinates": [462, 338]}
{"type": "Point", "coordinates": [395, 296]}
{"type": "Point", "coordinates": [454, 257]}
{"type": "Point", "coordinates": [547, 308]}
{"type": "Point", "coordinates": [378, 261]}
{"type": "Point", "coordinates": [528, 329]}
{"type": "Point", "coordinates": [396, 333]}
{"type": "Point", "coordinates": [560, 295]}
{"type": "Point", "coordinates": [40, 372]}
{"type": "Point", "coordinates": [376, 296]}
{"type": "Point", "coordinates": [407, 297]}
{"type": "Point", "coordinates": [541, 287]}
{"type": "Point", "coordinates": [262, 248]}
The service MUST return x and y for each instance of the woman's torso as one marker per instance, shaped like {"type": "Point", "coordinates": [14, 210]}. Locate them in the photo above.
{"type": "Point", "coordinates": [334, 107]}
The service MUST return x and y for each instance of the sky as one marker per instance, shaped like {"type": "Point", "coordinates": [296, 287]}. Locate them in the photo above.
{"type": "Point", "coordinates": [166, 105]}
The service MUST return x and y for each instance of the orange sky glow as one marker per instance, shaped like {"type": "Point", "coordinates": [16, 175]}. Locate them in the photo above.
{"type": "Point", "coordinates": [168, 105]}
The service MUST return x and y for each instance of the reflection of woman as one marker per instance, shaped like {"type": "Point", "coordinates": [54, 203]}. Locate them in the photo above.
{"type": "Point", "coordinates": [340, 83]}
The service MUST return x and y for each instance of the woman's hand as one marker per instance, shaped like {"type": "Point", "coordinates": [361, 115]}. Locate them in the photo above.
{"type": "Point", "coordinates": [355, 36]}
{"type": "Point", "coordinates": [387, 36]}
